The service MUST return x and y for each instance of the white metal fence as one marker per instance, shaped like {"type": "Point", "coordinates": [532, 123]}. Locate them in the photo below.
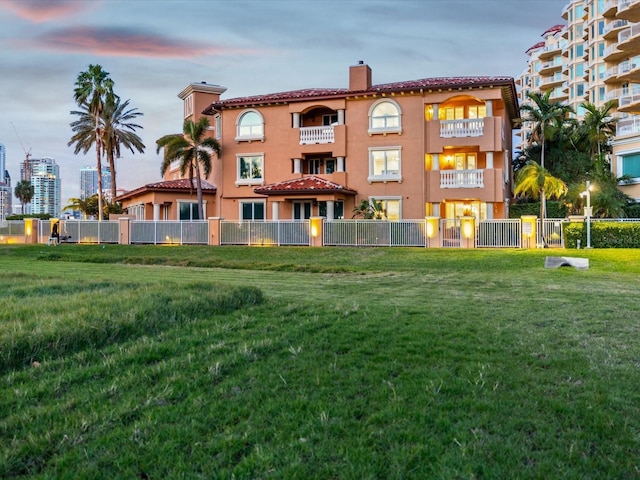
{"type": "Point", "coordinates": [375, 233]}
{"type": "Point", "coordinates": [499, 233]}
{"type": "Point", "coordinates": [262, 232]}
{"type": "Point", "coordinates": [84, 231]}
{"type": "Point", "coordinates": [169, 232]}
{"type": "Point", "coordinates": [12, 228]}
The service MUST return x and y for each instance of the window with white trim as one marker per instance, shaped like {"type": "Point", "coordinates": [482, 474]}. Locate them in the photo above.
{"type": "Point", "coordinates": [188, 106]}
{"type": "Point", "coordinates": [251, 210]}
{"type": "Point", "coordinates": [385, 164]}
{"type": "Point", "coordinates": [250, 169]}
{"type": "Point", "coordinates": [218, 126]}
{"type": "Point", "coordinates": [250, 126]}
{"type": "Point", "coordinates": [188, 210]}
{"type": "Point", "coordinates": [385, 117]}
{"type": "Point", "coordinates": [390, 206]}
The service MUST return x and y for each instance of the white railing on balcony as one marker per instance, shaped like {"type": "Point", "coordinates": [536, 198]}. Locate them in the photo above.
{"type": "Point", "coordinates": [462, 178]}
{"type": "Point", "coordinates": [312, 135]}
{"type": "Point", "coordinates": [611, 72]}
{"type": "Point", "coordinates": [467, 127]}
{"type": "Point", "coordinates": [628, 33]}
{"type": "Point", "coordinates": [628, 99]}
{"type": "Point", "coordinates": [628, 125]}
{"type": "Point", "coordinates": [614, 25]}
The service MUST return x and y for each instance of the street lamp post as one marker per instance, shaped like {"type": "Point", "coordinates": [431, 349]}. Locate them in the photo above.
{"type": "Point", "coordinates": [587, 212]}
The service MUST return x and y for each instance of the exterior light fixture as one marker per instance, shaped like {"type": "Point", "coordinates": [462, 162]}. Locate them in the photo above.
{"type": "Point", "coordinates": [587, 211]}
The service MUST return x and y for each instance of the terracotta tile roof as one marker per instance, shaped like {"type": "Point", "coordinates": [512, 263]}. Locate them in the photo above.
{"type": "Point", "coordinates": [180, 185]}
{"type": "Point", "coordinates": [535, 47]}
{"type": "Point", "coordinates": [554, 29]}
{"type": "Point", "coordinates": [310, 184]}
{"type": "Point", "coordinates": [436, 83]}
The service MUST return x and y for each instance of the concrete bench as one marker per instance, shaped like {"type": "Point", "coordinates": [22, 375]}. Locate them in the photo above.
{"type": "Point", "coordinates": [578, 263]}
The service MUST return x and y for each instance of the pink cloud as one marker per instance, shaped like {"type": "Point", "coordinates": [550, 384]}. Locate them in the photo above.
{"type": "Point", "coordinates": [39, 11]}
{"type": "Point", "coordinates": [128, 43]}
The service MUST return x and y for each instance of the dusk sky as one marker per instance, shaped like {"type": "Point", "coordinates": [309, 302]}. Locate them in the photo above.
{"type": "Point", "coordinates": [154, 48]}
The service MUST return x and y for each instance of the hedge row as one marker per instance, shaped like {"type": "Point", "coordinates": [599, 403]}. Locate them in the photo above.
{"type": "Point", "coordinates": [555, 209]}
{"type": "Point", "coordinates": [603, 234]}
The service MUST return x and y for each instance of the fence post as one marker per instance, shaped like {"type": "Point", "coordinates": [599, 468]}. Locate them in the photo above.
{"type": "Point", "coordinates": [433, 231]}
{"type": "Point", "coordinates": [124, 225]}
{"type": "Point", "coordinates": [214, 230]}
{"type": "Point", "coordinates": [31, 230]}
{"type": "Point", "coordinates": [316, 225]}
{"type": "Point", "coordinates": [468, 232]}
{"type": "Point", "coordinates": [529, 234]}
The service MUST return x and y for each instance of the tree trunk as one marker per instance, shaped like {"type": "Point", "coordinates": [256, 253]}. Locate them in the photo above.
{"type": "Point", "coordinates": [199, 194]}
{"type": "Point", "coordinates": [99, 167]}
{"type": "Point", "coordinates": [112, 167]}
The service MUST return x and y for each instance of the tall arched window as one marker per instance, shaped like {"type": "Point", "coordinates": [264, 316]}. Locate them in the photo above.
{"type": "Point", "coordinates": [250, 126]}
{"type": "Point", "coordinates": [385, 116]}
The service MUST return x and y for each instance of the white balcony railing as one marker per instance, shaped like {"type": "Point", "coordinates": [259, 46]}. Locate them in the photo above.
{"type": "Point", "coordinates": [467, 127]}
{"type": "Point", "coordinates": [461, 178]}
{"type": "Point", "coordinates": [628, 125]}
{"type": "Point", "coordinates": [312, 135]}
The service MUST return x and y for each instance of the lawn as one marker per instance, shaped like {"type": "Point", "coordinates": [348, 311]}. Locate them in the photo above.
{"type": "Point", "coordinates": [304, 363]}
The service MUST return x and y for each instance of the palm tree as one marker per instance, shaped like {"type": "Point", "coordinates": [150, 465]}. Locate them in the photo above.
{"type": "Point", "coordinates": [119, 131]}
{"type": "Point", "coordinates": [193, 150]}
{"type": "Point", "coordinates": [598, 126]}
{"type": "Point", "coordinates": [534, 181]}
{"type": "Point", "coordinates": [548, 119]}
{"type": "Point", "coordinates": [24, 192]}
{"type": "Point", "coordinates": [93, 89]}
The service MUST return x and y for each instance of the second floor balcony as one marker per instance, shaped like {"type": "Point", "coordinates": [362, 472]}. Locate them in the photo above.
{"type": "Point", "coordinates": [317, 135]}
{"type": "Point", "coordinates": [462, 178]}
{"type": "Point", "coordinates": [466, 127]}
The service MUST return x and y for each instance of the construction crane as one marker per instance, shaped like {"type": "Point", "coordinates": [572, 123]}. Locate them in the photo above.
{"type": "Point", "coordinates": [27, 155]}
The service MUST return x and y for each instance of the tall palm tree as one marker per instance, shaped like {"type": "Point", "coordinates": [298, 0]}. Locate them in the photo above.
{"type": "Point", "coordinates": [118, 130]}
{"type": "Point", "coordinates": [24, 192]}
{"type": "Point", "coordinates": [193, 150]}
{"type": "Point", "coordinates": [548, 119]}
{"type": "Point", "coordinates": [93, 89]}
{"type": "Point", "coordinates": [598, 126]}
{"type": "Point", "coordinates": [533, 180]}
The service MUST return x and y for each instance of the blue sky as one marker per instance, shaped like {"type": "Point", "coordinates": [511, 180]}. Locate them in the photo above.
{"type": "Point", "coordinates": [154, 48]}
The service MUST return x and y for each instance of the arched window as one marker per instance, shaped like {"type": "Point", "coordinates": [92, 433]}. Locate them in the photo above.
{"type": "Point", "coordinates": [250, 126]}
{"type": "Point", "coordinates": [385, 116]}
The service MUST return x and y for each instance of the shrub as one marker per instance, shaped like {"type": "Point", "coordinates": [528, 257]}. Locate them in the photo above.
{"type": "Point", "coordinates": [555, 209]}
{"type": "Point", "coordinates": [603, 234]}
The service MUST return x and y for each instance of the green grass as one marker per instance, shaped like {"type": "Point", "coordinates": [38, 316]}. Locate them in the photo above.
{"type": "Point", "coordinates": [200, 362]}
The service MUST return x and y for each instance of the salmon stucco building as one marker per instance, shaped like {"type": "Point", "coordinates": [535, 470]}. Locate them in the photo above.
{"type": "Point", "coordinates": [431, 147]}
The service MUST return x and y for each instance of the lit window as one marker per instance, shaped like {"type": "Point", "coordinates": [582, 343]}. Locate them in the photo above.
{"type": "Point", "coordinates": [385, 164]}
{"type": "Point", "coordinates": [250, 169]}
{"type": "Point", "coordinates": [250, 126]}
{"type": "Point", "coordinates": [384, 116]}
{"type": "Point", "coordinates": [391, 207]}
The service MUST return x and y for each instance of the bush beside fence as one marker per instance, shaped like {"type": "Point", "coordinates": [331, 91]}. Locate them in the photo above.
{"type": "Point", "coordinates": [603, 234]}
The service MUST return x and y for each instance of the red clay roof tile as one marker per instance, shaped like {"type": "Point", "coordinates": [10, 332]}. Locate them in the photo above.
{"type": "Point", "coordinates": [303, 185]}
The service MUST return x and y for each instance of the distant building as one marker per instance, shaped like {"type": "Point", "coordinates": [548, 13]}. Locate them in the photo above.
{"type": "Point", "coordinates": [45, 178]}
{"type": "Point", "coordinates": [593, 56]}
{"type": "Point", "coordinates": [89, 181]}
{"type": "Point", "coordinates": [5, 186]}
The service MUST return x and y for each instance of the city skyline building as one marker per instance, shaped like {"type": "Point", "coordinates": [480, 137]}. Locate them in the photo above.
{"type": "Point", "coordinates": [5, 186]}
{"type": "Point", "coordinates": [594, 56]}
{"type": "Point", "coordinates": [46, 181]}
{"type": "Point", "coordinates": [89, 181]}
